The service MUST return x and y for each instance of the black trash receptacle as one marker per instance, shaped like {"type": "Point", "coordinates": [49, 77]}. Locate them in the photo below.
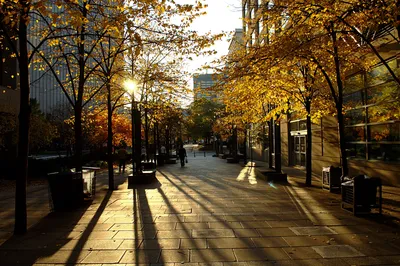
{"type": "Point", "coordinates": [160, 159]}
{"type": "Point", "coordinates": [66, 190]}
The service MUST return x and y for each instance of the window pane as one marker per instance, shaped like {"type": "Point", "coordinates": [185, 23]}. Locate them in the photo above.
{"type": "Point", "coordinates": [380, 74]}
{"type": "Point", "coordinates": [354, 134]}
{"type": "Point", "coordinates": [354, 83]}
{"type": "Point", "coordinates": [384, 152]}
{"type": "Point", "coordinates": [303, 125]}
{"type": "Point", "coordinates": [385, 132]}
{"type": "Point", "coordinates": [353, 117]}
{"type": "Point", "coordinates": [354, 99]}
{"type": "Point", "coordinates": [382, 113]}
{"type": "Point", "coordinates": [355, 150]}
{"type": "Point", "coordinates": [294, 126]}
{"type": "Point", "coordinates": [385, 92]}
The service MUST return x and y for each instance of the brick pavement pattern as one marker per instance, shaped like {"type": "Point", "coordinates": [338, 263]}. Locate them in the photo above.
{"type": "Point", "coordinates": [207, 213]}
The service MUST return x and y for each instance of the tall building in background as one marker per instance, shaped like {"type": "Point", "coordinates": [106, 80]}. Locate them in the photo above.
{"type": "Point", "coordinates": [236, 42]}
{"type": "Point", "coordinates": [202, 87]}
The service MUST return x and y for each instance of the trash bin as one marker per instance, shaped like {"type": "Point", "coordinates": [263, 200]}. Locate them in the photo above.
{"type": "Point", "coordinates": [361, 194]}
{"type": "Point", "coordinates": [160, 159]}
{"type": "Point", "coordinates": [331, 178]}
{"type": "Point", "coordinates": [89, 180]}
{"type": "Point", "coordinates": [65, 190]}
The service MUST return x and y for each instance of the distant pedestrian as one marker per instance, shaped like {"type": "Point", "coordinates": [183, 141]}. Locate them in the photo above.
{"type": "Point", "coordinates": [122, 156]}
{"type": "Point", "coordinates": [163, 150]}
{"type": "Point", "coordinates": [182, 155]}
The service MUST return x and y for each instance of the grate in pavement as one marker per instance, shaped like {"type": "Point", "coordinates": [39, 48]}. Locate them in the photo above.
{"type": "Point", "coordinates": [313, 230]}
{"type": "Point", "coordinates": [337, 251]}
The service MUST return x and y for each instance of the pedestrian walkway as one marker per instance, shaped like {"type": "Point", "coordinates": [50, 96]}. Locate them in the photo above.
{"type": "Point", "coordinates": [207, 213]}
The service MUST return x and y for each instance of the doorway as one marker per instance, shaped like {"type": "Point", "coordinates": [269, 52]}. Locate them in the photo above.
{"type": "Point", "coordinates": [299, 150]}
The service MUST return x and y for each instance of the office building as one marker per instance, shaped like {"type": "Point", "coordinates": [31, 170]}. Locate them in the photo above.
{"type": "Point", "coordinates": [203, 87]}
{"type": "Point", "coordinates": [372, 124]}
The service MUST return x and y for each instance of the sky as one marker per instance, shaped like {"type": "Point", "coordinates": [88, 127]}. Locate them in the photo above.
{"type": "Point", "coordinates": [222, 15]}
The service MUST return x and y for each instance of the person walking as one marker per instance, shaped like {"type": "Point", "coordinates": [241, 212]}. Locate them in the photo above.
{"type": "Point", "coordinates": [122, 154]}
{"type": "Point", "coordinates": [182, 155]}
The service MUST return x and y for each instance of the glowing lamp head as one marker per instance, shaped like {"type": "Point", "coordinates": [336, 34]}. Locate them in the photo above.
{"type": "Point", "coordinates": [130, 85]}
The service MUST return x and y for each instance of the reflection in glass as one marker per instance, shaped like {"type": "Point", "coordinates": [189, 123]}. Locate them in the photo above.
{"type": "Point", "coordinates": [356, 116]}
{"type": "Point", "coordinates": [294, 126]}
{"type": "Point", "coordinates": [385, 112]}
{"type": "Point", "coordinates": [303, 160]}
{"type": "Point", "coordinates": [303, 125]}
{"type": "Point", "coordinates": [380, 74]}
{"type": "Point", "coordinates": [384, 152]}
{"type": "Point", "coordinates": [385, 132]}
{"type": "Point", "coordinates": [354, 133]}
{"type": "Point", "coordinates": [355, 150]}
{"type": "Point", "coordinates": [354, 99]}
{"type": "Point", "coordinates": [354, 83]}
{"type": "Point", "coordinates": [385, 92]}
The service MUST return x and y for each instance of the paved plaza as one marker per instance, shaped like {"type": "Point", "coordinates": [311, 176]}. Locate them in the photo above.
{"type": "Point", "coordinates": [207, 213]}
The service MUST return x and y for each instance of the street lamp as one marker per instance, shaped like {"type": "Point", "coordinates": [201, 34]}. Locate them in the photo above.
{"type": "Point", "coordinates": [131, 88]}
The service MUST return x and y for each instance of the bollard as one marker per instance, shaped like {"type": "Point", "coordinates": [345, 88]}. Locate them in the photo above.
{"type": "Point", "coordinates": [204, 154]}
{"type": "Point", "coordinates": [194, 153]}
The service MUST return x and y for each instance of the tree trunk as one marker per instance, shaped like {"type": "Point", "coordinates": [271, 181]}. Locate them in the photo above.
{"type": "Point", "coordinates": [146, 133]}
{"type": "Point", "coordinates": [110, 139]}
{"type": "Point", "coordinates": [78, 138]}
{"type": "Point", "coordinates": [20, 225]}
{"type": "Point", "coordinates": [278, 152]}
{"type": "Point", "coordinates": [271, 143]}
{"type": "Point", "coordinates": [158, 138]}
{"type": "Point", "coordinates": [167, 142]}
{"type": "Point", "coordinates": [245, 144]}
{"type": "Point", "coordinates": [79, 101]}
{"type": "Point", "coordinates": [342, 142]}
{"type": "Point", "coordinates": [339, 103]}
{"type": "Point", "coordinates": [138, 139]}
{"type": "Point", "coordinates": [133, 137]}
{"type": "Point", "coordinates": [309, 145]}
{"type": "Point", "coordinates": [154, 150]}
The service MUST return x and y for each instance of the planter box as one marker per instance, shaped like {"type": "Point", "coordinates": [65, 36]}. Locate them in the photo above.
{"type": "Point", "coordinates": [275, 176]}
{"type": "Point", "coordinates": [144, 177]}
{"type": "Point", "coordinates": [65, 190]}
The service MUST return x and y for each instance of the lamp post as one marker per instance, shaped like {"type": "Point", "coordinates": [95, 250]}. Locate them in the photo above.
{"type": "Point", "coordinates": [131, 87]}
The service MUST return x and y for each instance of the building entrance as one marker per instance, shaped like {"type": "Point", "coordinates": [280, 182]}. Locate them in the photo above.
{"type": "Point", "coordinates": [299, 151]}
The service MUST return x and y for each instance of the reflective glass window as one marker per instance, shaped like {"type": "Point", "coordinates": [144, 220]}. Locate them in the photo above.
{"type": "Point", "coordinates": [384, 152]}
{"type": "Point", "coordinates": [355, 116]}
{"type": "Point", "coordinates": [355, 133]}
{"type": "Point", "coordinates": [303, 125]}
{"type": "Point", "coordinates": [384, 112]}
{"type": "Point", "coordinates": [356, 150]}
{"type": "Point", "coordinates": [354, 83]}
{"type": "Point", "coordinates": [382, 93]}
{"type": "Point", "coordinates": [354, 99]}
{"type": "Point", "coordinates": [380, 74]}
{"type": "Point", "coordinates": [385, 132]}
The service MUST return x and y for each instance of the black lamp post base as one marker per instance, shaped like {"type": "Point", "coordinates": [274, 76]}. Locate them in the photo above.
{"type": "Point", "coordinates": [272, 175]}
{"type": "Point", "coordinates": [140, 178]}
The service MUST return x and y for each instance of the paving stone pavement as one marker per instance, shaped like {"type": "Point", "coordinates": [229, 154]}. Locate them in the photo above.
{"type": "Point", "coordinates": [207, 213]}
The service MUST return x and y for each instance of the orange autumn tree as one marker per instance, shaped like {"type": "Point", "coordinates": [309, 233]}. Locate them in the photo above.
{"type": "Point", "coordinates": [97, 132]}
